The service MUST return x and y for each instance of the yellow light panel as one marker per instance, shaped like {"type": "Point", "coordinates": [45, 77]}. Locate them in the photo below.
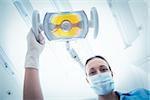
{"type": "Point", "coordinates": [72, 18]}
{"type": "Point", "coordinates": [75, 31]}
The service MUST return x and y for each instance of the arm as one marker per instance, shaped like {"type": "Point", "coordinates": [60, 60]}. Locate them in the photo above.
{"type": "Point", "coordinates": [32, 89]}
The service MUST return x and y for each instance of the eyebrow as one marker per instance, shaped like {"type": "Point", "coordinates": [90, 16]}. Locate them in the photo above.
{"type": "Point", "coordinates": [91, 69]}
{"type": "Point", "coordinates": [98, 66]}
{"type": "Point", "coordinates": [103, 66]}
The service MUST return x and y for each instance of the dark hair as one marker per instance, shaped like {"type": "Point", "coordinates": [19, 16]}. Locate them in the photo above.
{"type": "Point", "coordinates": [97, 56]}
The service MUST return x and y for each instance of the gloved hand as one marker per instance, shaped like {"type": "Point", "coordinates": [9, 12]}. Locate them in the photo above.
{"type": "Point", "coordinates": [34, 50]}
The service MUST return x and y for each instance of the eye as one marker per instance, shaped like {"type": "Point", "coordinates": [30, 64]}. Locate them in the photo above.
{"type": "Point", "coordinates": [104, 69]}
{"type": "Point", "coordinates": [92, 73]}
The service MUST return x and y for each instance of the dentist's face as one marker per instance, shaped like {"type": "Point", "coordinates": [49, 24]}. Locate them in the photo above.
{"type": "Point", "coordinates": [99, 76]}
{"type": "Point", "coordinates": [97, 66]}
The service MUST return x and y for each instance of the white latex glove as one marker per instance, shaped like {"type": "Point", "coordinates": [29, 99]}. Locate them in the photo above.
{"type": "Point", "coordinates": [34, 50]}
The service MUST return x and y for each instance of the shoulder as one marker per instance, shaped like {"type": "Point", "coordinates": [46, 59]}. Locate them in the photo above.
{"type": "Point", "coordinates": [139, 91]}
{"type": "Point", "coordinates": [136, 93]}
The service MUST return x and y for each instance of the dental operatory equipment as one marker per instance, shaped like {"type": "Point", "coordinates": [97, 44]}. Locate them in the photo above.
{"type": "Point", "coordinates": [67, 25]}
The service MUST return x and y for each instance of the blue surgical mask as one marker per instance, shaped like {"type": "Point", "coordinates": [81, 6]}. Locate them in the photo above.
{"type": "Point", "coordinates": [102, 83]}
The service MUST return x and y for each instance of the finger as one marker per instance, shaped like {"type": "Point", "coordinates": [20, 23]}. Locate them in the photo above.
{"type": "Point", "coordinates": [41, 39]}
{"type": "Point", "coordinates": [42, 42]}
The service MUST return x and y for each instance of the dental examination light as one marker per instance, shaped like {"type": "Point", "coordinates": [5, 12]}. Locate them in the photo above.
{"type": "Point", "coordinates": [66, 26]}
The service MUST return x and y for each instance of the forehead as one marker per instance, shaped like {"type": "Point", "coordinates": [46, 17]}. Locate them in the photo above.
{"type": "Point", "coordinates": [95, 63]}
